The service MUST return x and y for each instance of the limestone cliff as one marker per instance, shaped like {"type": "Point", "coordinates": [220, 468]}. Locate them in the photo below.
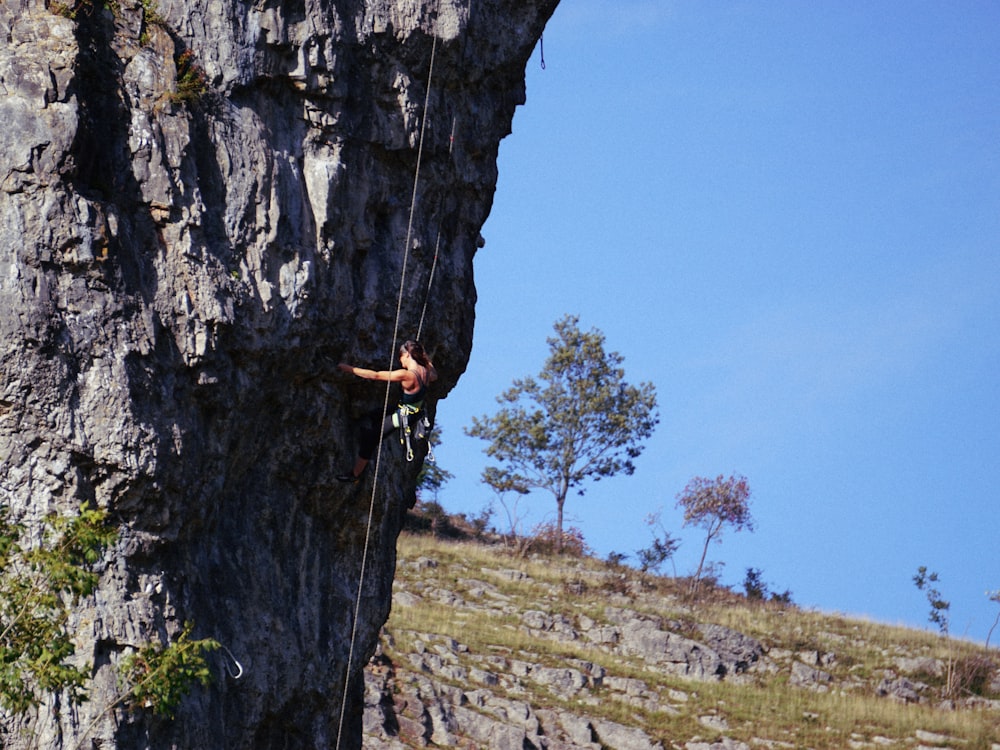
{"type": "Point", "coordinates": [204, 206]}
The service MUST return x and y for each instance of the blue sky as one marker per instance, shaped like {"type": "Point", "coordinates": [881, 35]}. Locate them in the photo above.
{"type": "Point", "coordinates": [787, 217]}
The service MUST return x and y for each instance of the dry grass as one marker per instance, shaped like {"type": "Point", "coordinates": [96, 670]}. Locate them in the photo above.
{"type": "Point", "coordinates": [767, 706]}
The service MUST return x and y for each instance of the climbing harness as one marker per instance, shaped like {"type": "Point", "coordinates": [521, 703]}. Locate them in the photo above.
{"type": "Point", "coordinates": [419, 430]}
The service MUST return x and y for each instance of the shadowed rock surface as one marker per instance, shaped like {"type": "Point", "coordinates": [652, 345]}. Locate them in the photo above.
{"type": "Point", "coordinates": [204, 206]}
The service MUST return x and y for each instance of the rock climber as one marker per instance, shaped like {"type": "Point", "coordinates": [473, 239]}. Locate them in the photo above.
{"type": "Point", "coordinates": [416, 373]}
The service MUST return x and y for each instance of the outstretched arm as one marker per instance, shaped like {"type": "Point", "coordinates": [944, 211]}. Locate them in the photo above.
{"type": "Point", "coordinates": [393, 376]}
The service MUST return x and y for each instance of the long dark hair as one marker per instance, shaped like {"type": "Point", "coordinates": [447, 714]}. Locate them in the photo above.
{"type": "Point", "coordinates": [415, 350]}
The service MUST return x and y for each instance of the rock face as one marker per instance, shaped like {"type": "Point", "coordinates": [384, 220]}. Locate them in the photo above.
{"type": "Point", "coordinates": [204, 206]}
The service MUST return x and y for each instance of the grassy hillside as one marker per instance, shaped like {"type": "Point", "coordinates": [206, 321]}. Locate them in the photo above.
{"type": "Point", "coordinates": [489, 649]}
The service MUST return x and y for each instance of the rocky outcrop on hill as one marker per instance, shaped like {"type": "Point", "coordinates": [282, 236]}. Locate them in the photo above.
{"type": "Point", "coordinates": [203, 207]}
{"type": "Point", "coordinates": [477, 655]}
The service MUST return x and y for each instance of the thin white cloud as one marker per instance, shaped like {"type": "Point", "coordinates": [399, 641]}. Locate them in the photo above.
{"type": "Point", "coordinates": [613, 18]}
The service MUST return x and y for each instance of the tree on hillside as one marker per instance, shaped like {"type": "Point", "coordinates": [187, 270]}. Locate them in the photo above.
{"type": "Point", "coordinates": [662, 549]}
{"type": "Point", "coordinates": [994, 596]}
{"type": "Point", "coordinates": [578, 420]}
{"type": "Point", "coordinates": [938, 606]}
{"type": "Point", "coordinates": [712, 504]}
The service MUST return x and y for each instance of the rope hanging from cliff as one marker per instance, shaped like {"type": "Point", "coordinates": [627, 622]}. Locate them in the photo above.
{"type": "Point", "coordinates": [385, 405]}
{"type": "Point", "coordinates": [430, 280]}
{"type": "Point", "coordinates": [437, 242]}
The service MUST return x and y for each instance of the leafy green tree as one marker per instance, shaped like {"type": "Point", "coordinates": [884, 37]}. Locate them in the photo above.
{"type": "Point", "coordinates": [159, 677]}
{"type": "Point", "coordinates": [36, 586]}
{"type": "Point", "coordinates": [713, 504]}
{"type": "Point", "coordinates": [39, 583]}
{"type": "Point", "coordinates": [578, 420]}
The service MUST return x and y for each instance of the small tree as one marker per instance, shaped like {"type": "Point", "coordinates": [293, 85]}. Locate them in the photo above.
{"type": "Point", "coordinates": [662, 549]}
{"type": "Point", "coordinates": [579, 420]}
{"type": "Point", "coordinates": [938, 614]}
{"type": "Point", "coordinates": [994, 596]}
{"type": "Point", "coordinates": [713, 504]}
{"type": "Point", "coordinates": [501, 484]}
{"type": "Point", "coordinates": [159, 676]}
{"type": "Point", "coordinates": [754, 586]}
{"type": "Point", "coordinates": [37, 586]}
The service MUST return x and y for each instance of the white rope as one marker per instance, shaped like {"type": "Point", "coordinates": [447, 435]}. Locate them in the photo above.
{"type": "Point", "coordinates": [385, 405]}
{"type": "Point", "coordinates": [437, 243]}
{"type": "Point", "coordinates": [430, 280]}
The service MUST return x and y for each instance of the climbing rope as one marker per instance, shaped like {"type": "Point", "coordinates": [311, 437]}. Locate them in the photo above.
{"type": "Point", "coordinates": [430, 280]}
{"type": "Point", "coordinates": [385, 405]}
{"type": "Point", "coordinates": [437, 242]}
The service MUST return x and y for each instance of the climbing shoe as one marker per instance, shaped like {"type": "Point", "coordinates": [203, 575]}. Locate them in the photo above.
{"type": "Point", "coordinates": [348, 477]}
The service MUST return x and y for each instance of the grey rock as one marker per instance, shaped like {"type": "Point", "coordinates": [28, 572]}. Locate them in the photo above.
{"type": "Point", "coordinates": [920, 665]}
{"type": "Point", "coordinates": [619, 737]}
{"type": "Point", "coordinates": [491, 732]}
{"type": "Point", "coordinates": [483, 677]}
{"type": "Point", "coordinates": [517, 713]}
{"type": "Point", "coordinates": [578, 729]}
{"type": "Point", "coordinates": [557, 626]}
{"type": "Point", "coordinates": [726, 743]}
{"type": "Point", "coordinates": [535, 620]}
{"type": "Point", "coordinates": [178, 279]}
{"type": "Point", "coordinates": [738, 652]}
{"type": "Point", "coordinates": [713, 721]}
{"type": "Point", "coordinates": [677, 654]}
{"type": "Point", "coordinates": [562, 681]}
{"type": "Point", "coordinates": [805, 676]}
{"type": "Point", "coordinates": [627, 685]}
{"type": "Point", "coordinates": [607, 635]}
{"type": "Point", "coordinates": [406, 599]}
{"type": "Point", "coordinates": [901, 689]}
{"type": "Point", "coordinates": [935, 738]}
{"type": "Point", "coordinates": [510, 574]}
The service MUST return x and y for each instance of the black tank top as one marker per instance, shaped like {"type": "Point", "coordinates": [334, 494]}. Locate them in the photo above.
{"type": "Point", "coordinates": [417, 396]}
{"type": "Point", "coordinates": [413, 398]}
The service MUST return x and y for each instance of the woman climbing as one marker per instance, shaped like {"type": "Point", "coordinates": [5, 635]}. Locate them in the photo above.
{"type": "Point", "coordinates": [416, 373]}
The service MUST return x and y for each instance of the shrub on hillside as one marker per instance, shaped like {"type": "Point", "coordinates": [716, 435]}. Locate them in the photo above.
{"type": "Point", "coordinates": [972, 674]}
{"type": "Point", "coordinates": [547, 539]}
{"type": "Point", "coordinates": [429, 517]}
